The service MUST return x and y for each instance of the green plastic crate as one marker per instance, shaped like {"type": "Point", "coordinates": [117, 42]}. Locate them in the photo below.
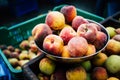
{"type": "Point", "coordinates": [83, 13]}
{"type": "Point", "coordinates": [13, 36]}
{"type": "Point", "coordinates": [17, 33]}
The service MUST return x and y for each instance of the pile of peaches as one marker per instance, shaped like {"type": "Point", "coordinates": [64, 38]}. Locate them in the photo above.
{"type": "Point", "coordinates": [67, 34]}
{"type": "Point", "coordinates": [18, 56]}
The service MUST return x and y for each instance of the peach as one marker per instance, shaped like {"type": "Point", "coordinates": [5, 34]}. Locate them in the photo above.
{"type": "Point", "coordinates": [97, 26]}
{"type": "Point", "coordinates": [117, 30]}
{"type": "Point", "coordinates": [116, 37]}
{"type": "Point", "coordinates": [77, 21]}
{"type": "Point", "coordinates": [77, 73]}
{"type": "Point", "coordinates": [14, 55]}
{"type": "Point", "coordinates": [23, 55]}
{"type": "Point", "coordinates": [69, 12]}
{"type": "Point", "coordinates": [40, 31]}
{"type": "Point", "coordinates": [47, 66]}
{"type": "Point", "coordinates": [88, 31]}
{"type": "Point", "coordinates": [33, 46]}
{"type": "Point", "coordinates": [13, 61]}
{"type": "Point", "coordinates": [67, 33]}
{"type": "Point", "coordinates": [17, 50]}
{"type": "Point", "coordinates": [65, 52]}
{"type": "Point", "coordinates": [24, 44]}
{"type": "Point", "coordinates": [112, 78]}
{"type": "Point", "coordinates": [59, 74]}
{"type": "Point", "coordinates": [77, 46]}
{"type": "Point", "coordinates": [7, 52]}
{"type": "Point", "coordinates": [31, 55]}
{"type": "Point", "coordinates": [91, 49]}
{"type": "Point", "coordinates": [55, 20]}
{"type": "Point", "coordinates": [99, 73]}
{"type": "Point", "coordinates": [99, 59]}
{"type": "Point", "coordinates": [22, 62]}
{"type": "Point", "coordinates": [53, 44]}
{"type": "Point", "coordinates": [113, 47]}
{"type": "Point", "coordinates": [11, 48]}
{"type": "Point", "coordinates": [100, 40]}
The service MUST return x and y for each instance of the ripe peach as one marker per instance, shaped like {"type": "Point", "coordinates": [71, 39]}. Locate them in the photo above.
{"type": "Point", "coordinates": [77, 21]}
{"type": "Point", "coordinates": [113, 47]}
{"type": "Point", "coordinates": [7, 52]}
{"type": "Point", "coordinates": [53, 44]}
{"type": "Point", "coordinates": [11, 48]}
{"type": "Point", "coordinates": [22, 62]}
{"type": "Point", "coordinates": [14, 55]}
{"type": "Point", "coordinates": [59, 74]}
{"type": "Point", "coordinates": [112, 78]}
{"type": "Point", "coordinates": [91, 49]}
{"type": "Point", "coordinates": [117, 30]}
{"type": "Point", "coordinates": [97, 26]}
{"type": "Point", "coordinates": [24, 44]}
{"type": "Point", "coordinates": [33, 46]}
{"type": "Point", "coordinates": [99, 73]}
{"type": "Point", "coordinates": [65, 52]}
{"type": "Point", "coordinates": [116, 37]}
{"type": "Point", "coordinates": [40, 31]}
{"type": "Point", "coordinates": [55, 20]}
{"type": "Point", "coordinates": [13, 61]}
{"type": "Point", "coordinates": [99, 59]}
{"type": "Point", "coordinates": [67, 33]}
{"type": "Point", "coordinates": [23, 55]}
{"type": "Point", "coordinates": [88, 31]}
{"type": "Point", "coordinates": [17, 50]}
{"type": "Point", "coordinates": [31, 55]}
{"type": "Point", "coordinates": [77, 73]}
{"type": "Point", "coordinates": [69, 12]}
{"type": "Point", "coordinates": [100, 40]}
{"type": "Point", "coordinates": [77, 46]}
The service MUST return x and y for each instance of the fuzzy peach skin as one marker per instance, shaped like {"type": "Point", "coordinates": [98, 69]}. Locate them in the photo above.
{"type": "Point", "coordinates": [91, 49]}
{"type": "Point", "coordinates": [40, 31]}
{"type": "Point", "coordinates": [77, 46]}
{"type": "Point", "coordinates": [100, 40]}
{"type": "Point", "coordinates": [88, 31]}
{"type": "Point", "coordinates": [53, 44]}
{"type": "Point", "coordinates": [77, 21]}
{"type": "Point", "coordinates": [55, 20]}
{"type": "Point", "coordinates": [99, 73]}
{"type": "Point", "coordinates": [67, 33]}
{"type": "Point", "coordinates": [69, 12]}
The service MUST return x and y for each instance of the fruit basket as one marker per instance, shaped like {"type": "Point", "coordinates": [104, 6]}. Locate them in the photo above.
{"type": "Point", "coordinates": [32, 71]}
{"type": "Point", "coordinates": [75, 59]}
{"type": "Point", "coordinates": [19, 32]}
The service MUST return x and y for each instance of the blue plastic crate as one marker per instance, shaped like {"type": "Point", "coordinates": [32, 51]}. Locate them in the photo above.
{"type": "Point", "coordinates": [4, 72]}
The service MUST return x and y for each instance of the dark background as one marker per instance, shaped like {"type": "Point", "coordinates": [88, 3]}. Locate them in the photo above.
{"type": "Point", "coordinates": [11, 13]}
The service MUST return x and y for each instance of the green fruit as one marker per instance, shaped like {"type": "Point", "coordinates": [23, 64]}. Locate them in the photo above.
{"type": "Point", "coordinates": [113, 63]}
{"type": "Point", "coordinates": [47, 66]}
{"type": "Point", "coordinates": [88, 76]}
{"type": "Point", "coordinates": [86, 65]}
{"type": "Point", "coordinates": [111, 31]}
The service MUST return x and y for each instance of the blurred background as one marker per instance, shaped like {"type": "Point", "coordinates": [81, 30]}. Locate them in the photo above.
{"type": "Point", "coordinates": [16, 11]}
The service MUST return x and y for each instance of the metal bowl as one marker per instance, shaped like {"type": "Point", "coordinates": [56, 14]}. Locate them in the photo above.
{"type": "Point", "coordinates": [75, 59]}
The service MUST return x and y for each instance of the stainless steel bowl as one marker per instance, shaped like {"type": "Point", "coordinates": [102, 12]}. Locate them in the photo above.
{"type": "Point", "coordinates": [75, 59]}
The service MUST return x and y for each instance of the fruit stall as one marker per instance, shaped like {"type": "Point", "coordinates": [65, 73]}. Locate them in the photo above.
{"type": "Point", "coordinates": [66, 43]}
